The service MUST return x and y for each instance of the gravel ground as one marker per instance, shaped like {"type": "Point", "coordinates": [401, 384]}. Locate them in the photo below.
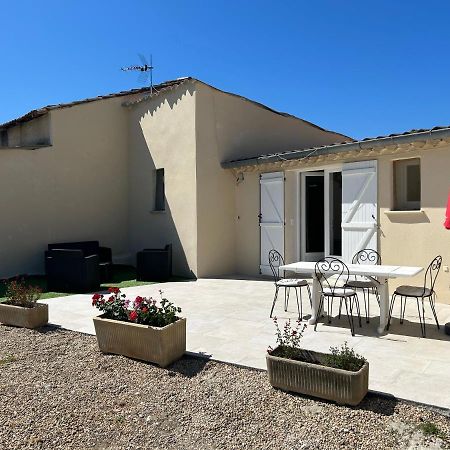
{"type": "Point", "coordinates": [57, 391]}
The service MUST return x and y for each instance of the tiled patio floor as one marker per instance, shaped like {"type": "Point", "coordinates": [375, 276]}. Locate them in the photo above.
{"type": "Point", "coordinates": [228, 320]}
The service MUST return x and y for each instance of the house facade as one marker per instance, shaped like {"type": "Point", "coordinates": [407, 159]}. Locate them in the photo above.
{"type": "Point", "coordinates": [134, 170]}
{"type": "Point", "coordinates": [388, 193]}
{"type": "Point", "coordinates": [222, 178]}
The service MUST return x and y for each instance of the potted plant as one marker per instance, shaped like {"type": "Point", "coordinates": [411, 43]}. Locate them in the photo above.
{"type": "Point", "coordinates": [341, 376]}
{"type": "Point", "coordinates": [142, 329]}
{"type": "Point", "coordinates": [21, 308]}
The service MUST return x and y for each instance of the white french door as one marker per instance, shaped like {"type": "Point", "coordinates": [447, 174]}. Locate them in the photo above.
{"type": "Point", "coordinates": [271, 218]}
{"type": "Point", "coordinates": [338, 216]}
{"type": "Point", "coordinates": [359, 208]}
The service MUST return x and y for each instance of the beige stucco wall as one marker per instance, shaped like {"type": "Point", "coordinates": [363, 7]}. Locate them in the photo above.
{"type": "Point", "coordinates": [162, 135]}
{"type": "Point", "coordinates": [228, 127]}
{"type": "Point", "coordinates": [76, 189]}
{"type": "Point", "coordinates": [416, 238]}
{"type": "Point", "coordinates": [405, 238]}
{"type": "Point", "coordinates": [34, 132]}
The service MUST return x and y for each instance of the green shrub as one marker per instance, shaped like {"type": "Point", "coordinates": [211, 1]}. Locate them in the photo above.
{"type": "Point", "coordinates": [19, 293]}
{"type": "Point", "coordinates": [344, 358]}
{"type": "Point", "coordinates": [431, 429]}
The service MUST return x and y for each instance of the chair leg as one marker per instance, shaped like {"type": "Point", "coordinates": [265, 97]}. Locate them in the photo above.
{"type": "Point", "coordinates": [301, 304]}
{"type": "Point", "coordinates": [420, 317]}
{"type": "Point", "coordinates": [298, 306]}
{"type": "Point", "coordinates": [340, 306]}
{"type": "Point", "coordinates": [274, 300]}
{"type": "Point", "coordinates": [318, 311]}
{"type": "Point", "coordinates": [423, 317]}
{"type": "Point", "coordinates": [329, 310]}
{"type": "Point", "coordinates": [404, 309]}
{"type": "Point", "coordinates": [350, 316]}
{"type": "Point", "coordinates": [391, 307]}
{"type": "Point", "coordinates": [366, 305]}
{"type": "Point", "coordinates": [401, 309]}
{"type": "Point", "coordinates": [432, 302]}
{"type": "Point", "coordinates": [309, 293]}
{"type": "Point", "coordinates": [286, 298]}
{"type": "Point", "coordinates": [358, 310]}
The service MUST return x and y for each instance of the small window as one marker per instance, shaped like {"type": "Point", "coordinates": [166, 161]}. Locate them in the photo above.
{"type": "Point", "coordinates": [3, 138]}
{"type": "Point", "coordinates": [407, 184]}
{"type": "Point", "coordinates": [160, 204]}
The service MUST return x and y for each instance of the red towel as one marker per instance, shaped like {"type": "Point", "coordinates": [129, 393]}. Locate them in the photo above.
{"type": "Point", "coordinates": [447, 214]}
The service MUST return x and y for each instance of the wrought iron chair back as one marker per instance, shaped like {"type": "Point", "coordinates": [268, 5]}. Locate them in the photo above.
{"type": "Point", "coordinates": [432, 273]}
{"type": "Point", "coordinates": [366, 256]}
{"type": "Point", "coordinates": [332, 274]}
{"type": "Point", "coordinates": [275, 261]}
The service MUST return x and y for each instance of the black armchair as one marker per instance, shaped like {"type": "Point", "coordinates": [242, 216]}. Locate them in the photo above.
{"type": "Point", "coordinates": [69, 270]}
{"type": "Point", "coordinates": [154, 264]}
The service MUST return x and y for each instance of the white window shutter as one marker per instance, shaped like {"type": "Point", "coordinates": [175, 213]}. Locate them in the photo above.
{"type": "Point", "coordinates": [271, 217]}
{"type": "Point", "coordinates": [359, 208]}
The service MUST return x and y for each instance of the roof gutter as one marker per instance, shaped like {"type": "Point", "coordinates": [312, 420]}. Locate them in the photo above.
{"type": "Point", "coordinates": [338, 148]}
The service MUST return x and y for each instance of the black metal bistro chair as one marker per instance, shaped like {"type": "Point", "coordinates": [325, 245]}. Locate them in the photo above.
{"type": "Point", "coordinates": [366, 284]}
{"type": "Point", "coordinates": [275, 261]}
{"type": "Point", "coordinates": [419, 293]}
{"type": "Point", "coordinates": [333, 276]}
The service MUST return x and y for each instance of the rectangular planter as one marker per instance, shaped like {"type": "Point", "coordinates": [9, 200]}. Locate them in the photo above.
{"type": "Point", "coordinates": [18, 316]}
{"type": "Point", "coordinates": [161, 346]}
{"type": "Point", "coordinates": [340, 386]}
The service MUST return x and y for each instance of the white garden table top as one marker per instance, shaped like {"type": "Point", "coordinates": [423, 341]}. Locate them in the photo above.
{"type": "Point", "coordinates": [359, 269]}
{"type": "Point", "coordinates": [381, 272]}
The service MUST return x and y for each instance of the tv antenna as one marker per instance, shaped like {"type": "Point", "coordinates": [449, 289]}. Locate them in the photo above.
{"type": "Point", "coordinates": [146, 71]}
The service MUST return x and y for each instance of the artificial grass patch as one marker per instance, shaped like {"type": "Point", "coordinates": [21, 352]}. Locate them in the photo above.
{"type": "Point", "coordinates": [122, 277]}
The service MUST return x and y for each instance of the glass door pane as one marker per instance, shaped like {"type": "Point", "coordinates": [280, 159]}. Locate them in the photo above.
{"type": "Point", "coordinates": [335, 205]}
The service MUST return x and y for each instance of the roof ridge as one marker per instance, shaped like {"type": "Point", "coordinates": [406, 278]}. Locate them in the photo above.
{"type": "Point", "coordinates": [43, 110]}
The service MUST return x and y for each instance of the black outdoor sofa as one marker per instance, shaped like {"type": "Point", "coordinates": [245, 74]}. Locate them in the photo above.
{"type": "Point", "coordinates": [77, 266]}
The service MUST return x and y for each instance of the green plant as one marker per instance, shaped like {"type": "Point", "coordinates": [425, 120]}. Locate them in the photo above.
{"type": "Point", "coordinates": [288, 340]}
{"type": "Point", "coordinates": [7, 359]}
{"type": "Point", "coordinates": [19, 293]}
{"type": "Point", "coordinates": [431, 429]}
{"type": "Point", "coordinates": [142, 310]}
{"type": "Point", "coordinates": [344, 358]}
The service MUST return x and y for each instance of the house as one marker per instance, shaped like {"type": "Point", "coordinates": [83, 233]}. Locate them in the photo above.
{"type": "Point", "coordinates": [139, 169]}
{"type": "Point", "coordinates": [387, 193]}
{"type": "Point", "coordinates": [222, 178]}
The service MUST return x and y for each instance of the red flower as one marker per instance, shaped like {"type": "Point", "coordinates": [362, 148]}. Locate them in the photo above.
{"type": "Point", "coordinates": [111, 298]}
{"type": "Point", "coordinates": [138, 300]}
{"type": "Point", "coordinates": [144, 309]}
{"type": "Point", "coordinates": [133, 315]}
{"type": "Point", "coordinates": [114, 290]}
{"type": "Point", "coordinates": [95, 299]}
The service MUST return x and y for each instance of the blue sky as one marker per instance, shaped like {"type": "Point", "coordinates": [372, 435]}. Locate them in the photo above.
{"type": "Point", "coordinates": [360, 68]}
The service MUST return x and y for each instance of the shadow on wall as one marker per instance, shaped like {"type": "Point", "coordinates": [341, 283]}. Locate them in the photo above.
{"type": "Point", "coordinates": [149, 228]}
{"type": "Point", "coordinates": [171, 99]}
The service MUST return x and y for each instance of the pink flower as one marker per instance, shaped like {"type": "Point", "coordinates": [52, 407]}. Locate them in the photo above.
{"type": "Point", "coordinates": [133, 316]}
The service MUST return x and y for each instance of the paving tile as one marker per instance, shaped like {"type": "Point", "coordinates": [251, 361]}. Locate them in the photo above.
{"type": "Point", "coordinates": [229, 320]}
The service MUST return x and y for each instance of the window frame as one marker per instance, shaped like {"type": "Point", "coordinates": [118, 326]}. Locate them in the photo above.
{"type": "Point", "coordinates": [400, 185]}
{"type": "Point", "coordinates": [160, 195]}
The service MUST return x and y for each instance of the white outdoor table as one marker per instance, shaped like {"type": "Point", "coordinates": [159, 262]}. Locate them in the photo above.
{"type": "Point", "coordinates": [381, 272]}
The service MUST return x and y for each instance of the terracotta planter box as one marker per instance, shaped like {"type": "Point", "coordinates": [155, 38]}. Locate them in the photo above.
{"type": "Point", "coordinates": [340, 386]}
{"type": "Point", "coordinates": [19, 316]}
{"type": "Point", "coordinates": [161, 346]}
